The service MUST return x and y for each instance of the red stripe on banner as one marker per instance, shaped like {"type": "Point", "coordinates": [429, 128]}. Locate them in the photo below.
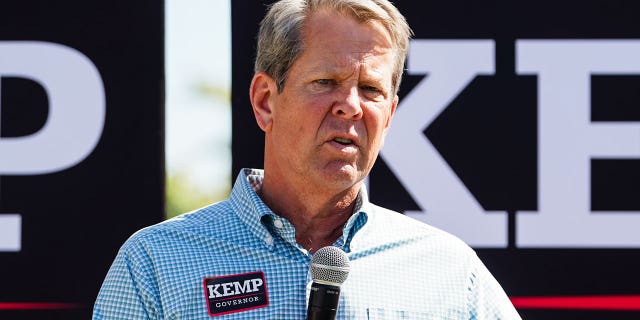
{"type": "Point", "coordinates": [38, 306]}
{"type": "Point", "coordinates": [629, 303]}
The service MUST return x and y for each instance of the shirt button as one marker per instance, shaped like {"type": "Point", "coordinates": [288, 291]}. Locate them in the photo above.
{"type": "Point", "coordinates": [268, 241]}
{"type": "Point", "coordinates": [278, 223]}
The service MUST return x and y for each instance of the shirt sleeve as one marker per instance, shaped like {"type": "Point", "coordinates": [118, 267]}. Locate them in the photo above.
{"type": "Point", "coordinates": [129, 290]}
{"type": "Point", "coordinates": [486, 299]}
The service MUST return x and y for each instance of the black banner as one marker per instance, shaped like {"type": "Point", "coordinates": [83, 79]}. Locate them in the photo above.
{"type": "Point", "coordinates": [518, 131]}
{"type": "Point", "coordinates": [81, 146]}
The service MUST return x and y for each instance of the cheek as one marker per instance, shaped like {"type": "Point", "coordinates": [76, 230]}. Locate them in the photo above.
{"type": "Point", "coordinates": [295, 126]}
{"type": "Point", "coordinates": [376, 123]}
{"type": "Point", "coordinates": [306, 119]}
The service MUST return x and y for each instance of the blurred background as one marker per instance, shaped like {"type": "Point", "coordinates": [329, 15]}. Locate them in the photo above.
{"type": "Point", "coordinates": [198, 111]}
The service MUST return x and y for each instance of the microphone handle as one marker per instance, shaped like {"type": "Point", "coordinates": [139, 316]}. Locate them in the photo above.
{"type": "Point", "coordinates": [323, 302]}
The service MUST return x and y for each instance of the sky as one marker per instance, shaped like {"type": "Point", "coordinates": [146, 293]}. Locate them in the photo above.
{"type": "Point", "coordinates": [198, 124]}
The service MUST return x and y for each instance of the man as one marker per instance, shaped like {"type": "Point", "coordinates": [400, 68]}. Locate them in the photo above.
{"type": "Point", "coordinates": [324, 92]}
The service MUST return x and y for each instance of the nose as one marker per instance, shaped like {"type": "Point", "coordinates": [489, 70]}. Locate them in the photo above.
{"type": "Point", "coordinates": [348, 105]}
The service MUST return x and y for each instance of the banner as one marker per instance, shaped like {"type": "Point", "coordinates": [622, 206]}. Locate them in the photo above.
{"type": "Point", "coordinates": [81, 147]}
{"type": "Point", "coordinates": [518, 130]}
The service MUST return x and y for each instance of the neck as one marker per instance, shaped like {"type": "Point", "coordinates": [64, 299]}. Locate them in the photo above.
{"type": "Point", "coordinates": [317, 215]}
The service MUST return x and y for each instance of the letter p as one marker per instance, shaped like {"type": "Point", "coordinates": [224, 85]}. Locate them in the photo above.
{"type": "Point", "coordinates": [75, 119]}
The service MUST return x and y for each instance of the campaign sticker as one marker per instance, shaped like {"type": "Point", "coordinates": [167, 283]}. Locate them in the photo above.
{"type": "Point", "coordinates": [236, 293]}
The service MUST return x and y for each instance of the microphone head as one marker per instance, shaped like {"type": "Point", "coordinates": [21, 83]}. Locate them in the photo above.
{"type": "Point", "coordinates": [330, 266]}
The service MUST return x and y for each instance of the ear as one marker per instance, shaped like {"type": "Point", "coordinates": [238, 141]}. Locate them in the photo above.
{"type": "Point", "coordinates": [261, 93]}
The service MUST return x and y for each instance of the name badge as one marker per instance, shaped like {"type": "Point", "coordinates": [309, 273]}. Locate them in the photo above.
{"type": "Point", "coordinates": [236, 293]}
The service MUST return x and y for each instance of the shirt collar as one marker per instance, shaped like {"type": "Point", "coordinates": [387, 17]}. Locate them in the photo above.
{"type": "Point", "coordinates": [254, 213]}
{"type": "Point", "coordinates": [357, 220]}
{"type": "Point", "coordinates": [248, 206]}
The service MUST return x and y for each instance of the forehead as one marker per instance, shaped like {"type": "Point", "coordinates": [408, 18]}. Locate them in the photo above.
{"type": "Point", "coordinates": [334, 39]}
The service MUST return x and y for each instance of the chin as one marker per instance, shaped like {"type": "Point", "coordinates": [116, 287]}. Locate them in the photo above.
{"type": "Point", "coordinates": [343, 177]}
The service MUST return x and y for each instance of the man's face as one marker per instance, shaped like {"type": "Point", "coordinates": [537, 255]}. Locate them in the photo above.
{"type": "Point", "coordinates": [329, 121]}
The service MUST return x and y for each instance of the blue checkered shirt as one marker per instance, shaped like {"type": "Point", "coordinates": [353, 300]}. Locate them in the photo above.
{"type": "Point", "coordinates": [400, 268]}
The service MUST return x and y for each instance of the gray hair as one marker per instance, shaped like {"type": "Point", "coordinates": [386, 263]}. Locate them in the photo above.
{"type": "Point", "coordinates": [280, 41]}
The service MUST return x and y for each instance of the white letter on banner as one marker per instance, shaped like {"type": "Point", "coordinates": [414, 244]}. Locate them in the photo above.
{"type": "Point", "coordinates": [450, 65]}
{"type": "Point", "coordinates": [568, 140]}
{"type": "Point", "coordinates": [76, 107]}
{"type": "Point", "coordinates": [10, 229]}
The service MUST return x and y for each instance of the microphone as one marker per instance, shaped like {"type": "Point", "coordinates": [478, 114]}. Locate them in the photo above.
{"type": "Point", "coordinates": [329, 269]}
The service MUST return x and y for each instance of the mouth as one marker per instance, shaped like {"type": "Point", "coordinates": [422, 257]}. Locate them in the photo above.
{"type": "Point", "coordinates": [345, 145]}
{"type": "Point", "coordinates": [343, 141]}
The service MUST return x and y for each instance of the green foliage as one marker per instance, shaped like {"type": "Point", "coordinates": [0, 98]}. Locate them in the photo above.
{"type": "Point", "coordinates": [184, 196]}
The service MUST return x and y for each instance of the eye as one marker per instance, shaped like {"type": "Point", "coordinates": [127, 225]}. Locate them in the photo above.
{"type": "Point", "coordinates": [323, 82]}
{"type": "Point", "coordinates": [373, 93]}
{"type": "Point", "coordinates": [370, 89]}
{"type": "Point", "coordinates": [322, 85]}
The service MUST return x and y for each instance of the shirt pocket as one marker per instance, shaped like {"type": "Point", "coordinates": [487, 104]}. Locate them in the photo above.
{"type": "Point", "coordinates": [390, 314]}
